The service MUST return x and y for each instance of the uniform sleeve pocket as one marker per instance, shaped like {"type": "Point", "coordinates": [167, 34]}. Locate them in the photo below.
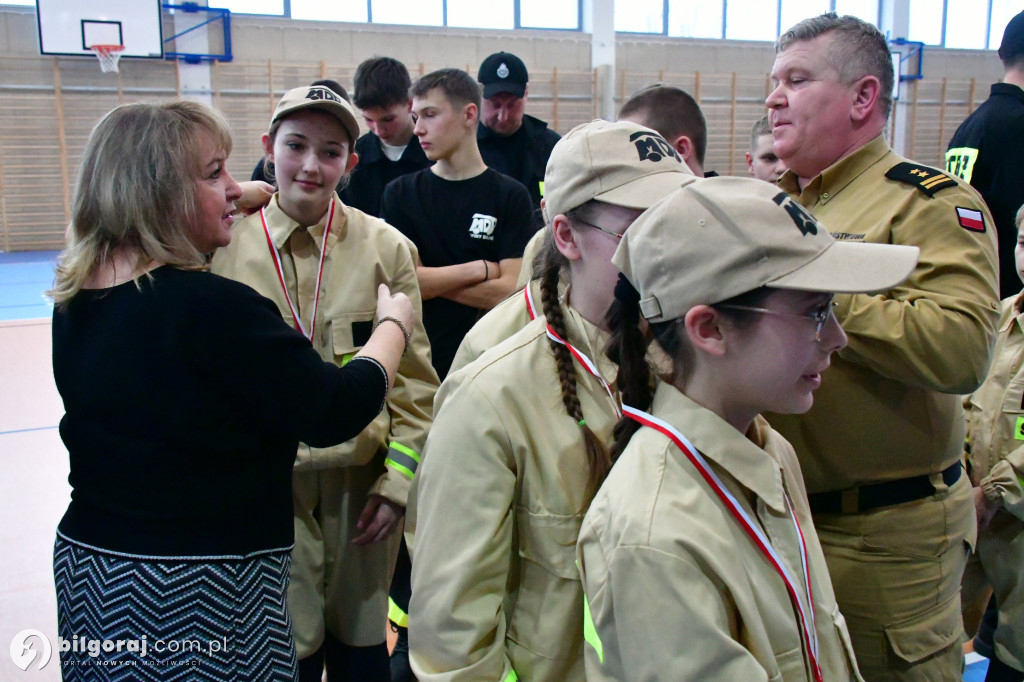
{"type": "Point", "coordinates": [914, 639]}
{"type": "Point", "coordinates": [349, 333]}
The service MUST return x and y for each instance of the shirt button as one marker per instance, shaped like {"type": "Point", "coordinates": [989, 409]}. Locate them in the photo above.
{"type": "Point", "coordinates": [824, 195]}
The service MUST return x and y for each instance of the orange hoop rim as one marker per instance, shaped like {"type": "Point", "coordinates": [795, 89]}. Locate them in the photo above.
{"type": "Point", "coordinates": [107, 49]}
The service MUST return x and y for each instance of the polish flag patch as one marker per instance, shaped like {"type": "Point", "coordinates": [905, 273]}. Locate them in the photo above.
{"type": "Point", "coordinates": [970, 219]}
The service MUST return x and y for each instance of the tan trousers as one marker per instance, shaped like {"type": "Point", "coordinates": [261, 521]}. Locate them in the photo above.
{"type": "Point", "coordinates": [896, 572]}
{"type": "Point", "coordinates": [335, 585]}
{"type": "Point", "coordinates": [999, 565]}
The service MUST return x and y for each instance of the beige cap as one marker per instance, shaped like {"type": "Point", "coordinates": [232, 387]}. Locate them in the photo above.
{"type": "Point", "coordinates": [620, 163]}
{"type": "Point", "coordinates": [722, 237]}
{"type": "Point", "coordinates": [318, 97]}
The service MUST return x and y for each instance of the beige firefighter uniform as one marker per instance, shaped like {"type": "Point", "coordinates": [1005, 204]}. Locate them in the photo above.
{"type": "Point", "coordinates": [495, 511]}
{"type": "Point", "coordinates": [334, 584]}
{"type": "Point", "coordinates": [500, 322]}
{"type": "Point", "coordinates": [530, 253]}
{"type": "Point", "coordinates": [887, 410]}
{"type": "Point", "coordinates": [995, 423]}
{"type": "Point", "coordinates": [676, 589]}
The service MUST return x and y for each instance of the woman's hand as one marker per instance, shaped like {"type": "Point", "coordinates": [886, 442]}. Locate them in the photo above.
{"type": "Point", "coordinates": [397, 306]}
{"type": "Point", "coordinates": [255, 195]}
{"type": "Point", "coordinates": [379, 519]}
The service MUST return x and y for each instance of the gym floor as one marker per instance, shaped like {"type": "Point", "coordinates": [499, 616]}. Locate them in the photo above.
{"type": "Point", "coordinates": [34, 465]}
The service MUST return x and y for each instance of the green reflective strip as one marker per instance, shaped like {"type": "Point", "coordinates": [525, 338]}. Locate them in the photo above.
{"type": "Point", "coordinates": [1018, 433]}
{"type": "Point", "coordinates": [540, 186]}
{"type": "Point", "coordinates": [345, 359]}
{"type": "Point", "coordinates": [402, 459]}
{"type": "Point", "coordinates": [396, 615]}
{"type": "Point", "coordinates": [590, 632]}
{"type": "Point", "coordinates": [511, 677]}
{"type": "Point", "coordinates": [960, 162]}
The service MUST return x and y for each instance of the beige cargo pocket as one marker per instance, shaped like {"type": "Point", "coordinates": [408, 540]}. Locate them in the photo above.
{"type": "Point", "coordinates": [917, 638]}
{"type": "Point", "coordinates": [839, 621]}
{"type": "Point", "coordinates": [549, 598]}
{"type": "Point", "coordinates": [792, 665]}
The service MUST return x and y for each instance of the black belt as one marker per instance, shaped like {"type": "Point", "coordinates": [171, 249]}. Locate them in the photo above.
{"type": "Point", "coordinates": [867, 497]}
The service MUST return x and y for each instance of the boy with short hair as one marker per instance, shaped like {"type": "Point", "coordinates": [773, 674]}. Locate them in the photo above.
{"type": "Point", "coordinates": [390, 149]}
{"type": "Point", "coordinates": [469, 222]}
{"type": "Point", "coordinates": [761, 160]}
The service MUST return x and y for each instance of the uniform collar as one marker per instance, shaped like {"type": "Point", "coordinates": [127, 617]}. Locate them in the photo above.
{"type": "Point", "coordinates": [742, 455]}
{"type": "Point", "coordinates": [1009, 90]}
{"type": "Point", "coordinates": [281, 226]}
{"type": "Point", "coordinates": [588, 338]}
{"type": "Point", "coordinates": [826, 185]}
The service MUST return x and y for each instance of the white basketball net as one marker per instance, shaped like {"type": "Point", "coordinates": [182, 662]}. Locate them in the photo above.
{"type": "Point", "coordinates": [108, 55]}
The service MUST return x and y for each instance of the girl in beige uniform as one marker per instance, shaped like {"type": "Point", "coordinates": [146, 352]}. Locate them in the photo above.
{"type": "Point", "coordinates": [995, 431]}
{"type": "Point", "coordinates": [698, 555]}
{"type": "Point", "coordinates": [321, 261]}
{"type": "Point", "coordinates": [519, 443]}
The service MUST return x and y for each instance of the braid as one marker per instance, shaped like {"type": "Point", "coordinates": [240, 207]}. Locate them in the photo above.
{"type": "Point", "coordinates": [598, 462]}
{"type": "Point", "coordinates": [627, 348]}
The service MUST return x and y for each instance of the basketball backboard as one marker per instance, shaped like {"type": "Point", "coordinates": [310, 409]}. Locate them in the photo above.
{"type": "Point", "coordinates": [70, 27]}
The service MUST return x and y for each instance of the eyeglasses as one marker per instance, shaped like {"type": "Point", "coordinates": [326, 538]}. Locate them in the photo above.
{"type": "Point", "coordinates": [819, 315]}
{"type": "Point", "coordinates": [601, 229]}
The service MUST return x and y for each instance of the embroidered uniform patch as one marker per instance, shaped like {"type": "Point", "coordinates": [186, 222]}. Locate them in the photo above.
{"type": "Point", "coordinates": [970, 219]}
{"type": "Point", "coordinates": [927, 179]}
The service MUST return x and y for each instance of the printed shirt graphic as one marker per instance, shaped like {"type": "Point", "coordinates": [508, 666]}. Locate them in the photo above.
{"type": "Point", "coordinates": [483, 226]}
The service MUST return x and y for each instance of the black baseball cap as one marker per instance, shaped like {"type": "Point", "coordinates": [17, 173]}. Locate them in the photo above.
{"type": "Point", "coordinates": [503, 72]}
{"type": "Point", "coordinates": [1013, 38]}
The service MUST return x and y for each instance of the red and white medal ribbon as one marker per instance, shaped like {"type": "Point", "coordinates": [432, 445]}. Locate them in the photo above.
{"type": "Point", "coordinates": [531, 309]}
{"type": "Point", "coordinates": [280, 274]}
{"type": "Point", "coordinates": [807, 621]}
{"type": "Point", "coordinates": [587, 363]}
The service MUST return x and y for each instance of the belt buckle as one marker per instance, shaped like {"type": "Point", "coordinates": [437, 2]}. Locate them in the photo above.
{"type": "Point", "coordinates": [850, 500]}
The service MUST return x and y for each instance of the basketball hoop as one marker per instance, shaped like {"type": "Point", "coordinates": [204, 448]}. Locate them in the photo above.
{"type": "Point", "coordinates": [108, 56]}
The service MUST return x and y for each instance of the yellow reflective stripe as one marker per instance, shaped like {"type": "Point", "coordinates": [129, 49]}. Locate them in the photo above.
{"type": "Point", "coordinates": [540, 186]}
{"type": "Point", "coordinates": [345, 359]}
{"type": "Point", "coordinates": [590, 632]}
{"type": "Point", "coordinates": [960, 162]}
{"type": "Point", "coordinates": [511, 677]}
{"type": "Point", "coordinates": [405, 450]}
{"type": "Point", "coordinates": [1018, 432]}
{"type": "Point", "coordinates": [403, 459]}
{"type": "Point", "coordinates": [396, 615]}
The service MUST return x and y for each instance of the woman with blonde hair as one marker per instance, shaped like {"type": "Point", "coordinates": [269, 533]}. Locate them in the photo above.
{"type": "Point", "coordinates": [185, 396]}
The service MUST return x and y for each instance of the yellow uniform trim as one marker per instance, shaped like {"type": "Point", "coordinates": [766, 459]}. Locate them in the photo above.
{"type": "Point", "coordinates": [511, 677]}
{"type": "Point", "coordinates": [396, 615]}
{"type": "Point", "coordinates": [960, 162]}
{"type": "Point", "coordinates": [590, 635]}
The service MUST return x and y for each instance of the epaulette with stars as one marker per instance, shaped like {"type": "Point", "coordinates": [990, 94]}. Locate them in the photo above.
{"type": "Point", "coordinates": [927, 179]}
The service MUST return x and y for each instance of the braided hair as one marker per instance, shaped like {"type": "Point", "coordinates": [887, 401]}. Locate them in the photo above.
{"type": "Point", "coordinates": [627, 348]}
{"type": "Point", "coordinates": [552, 265]}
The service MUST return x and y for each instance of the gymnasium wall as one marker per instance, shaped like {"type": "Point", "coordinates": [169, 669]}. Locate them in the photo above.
{"type": "Point", "coordinates": [48, 105]}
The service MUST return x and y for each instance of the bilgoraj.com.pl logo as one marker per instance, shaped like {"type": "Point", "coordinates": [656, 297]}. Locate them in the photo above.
{"type": "Point", "coordinates": [32, 648]}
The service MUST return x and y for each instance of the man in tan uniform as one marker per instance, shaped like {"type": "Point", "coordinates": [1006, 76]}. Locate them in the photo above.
{"type": "Point", "coordinates": [881, 448]}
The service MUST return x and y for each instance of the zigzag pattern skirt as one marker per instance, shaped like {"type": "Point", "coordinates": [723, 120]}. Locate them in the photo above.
{"type": "Point", "coordinates": [128, 618]}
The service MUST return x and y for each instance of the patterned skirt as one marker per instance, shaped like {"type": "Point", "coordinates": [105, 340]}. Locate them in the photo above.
{"type": "Point", "coordinates": [136, 618]}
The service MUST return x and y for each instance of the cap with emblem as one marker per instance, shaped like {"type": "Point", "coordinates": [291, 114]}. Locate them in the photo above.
{"type": "Point", "coordinates": [620, 163]}
{"type": "Point", "coordinates": [721, 237]}
{"type": "Point", "coordinates": [318, 97]}
{"type": "Point", "coordinates": [503, 72]}
{"type": "Point", "coordinates": [1013, 39]}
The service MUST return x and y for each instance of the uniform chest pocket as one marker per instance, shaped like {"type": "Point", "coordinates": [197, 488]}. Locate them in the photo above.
{"type": "Point", "coordinates": [549, 540]}
{"type": "Point", "coordinates": [349, 333]}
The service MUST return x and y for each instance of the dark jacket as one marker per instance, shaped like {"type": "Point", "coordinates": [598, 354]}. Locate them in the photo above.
{"type": "Point", "coordinates": [525, 159]}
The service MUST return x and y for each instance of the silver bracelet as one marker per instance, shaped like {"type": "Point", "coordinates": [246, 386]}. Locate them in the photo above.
{"type": "Point", "coordinates": [401, 325]}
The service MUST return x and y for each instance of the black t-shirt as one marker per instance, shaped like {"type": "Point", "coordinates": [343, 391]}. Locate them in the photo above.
{"type": "Point", "coordinates": [487, 217]}
{"type": "Point", "coordinates": [987, 150]}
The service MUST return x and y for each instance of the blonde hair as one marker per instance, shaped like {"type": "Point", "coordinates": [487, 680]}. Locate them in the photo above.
{"type": "Point", "coordinates": [137, 190]}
